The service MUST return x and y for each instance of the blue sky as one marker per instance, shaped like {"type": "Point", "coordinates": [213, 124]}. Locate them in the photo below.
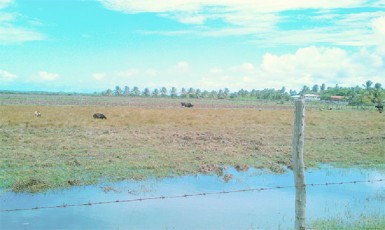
{"type": "Point", "coordinates": [92, 45]}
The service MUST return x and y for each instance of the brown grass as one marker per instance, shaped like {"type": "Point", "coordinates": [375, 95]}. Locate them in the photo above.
{"type": "Point", "coordinates": [66, 146]}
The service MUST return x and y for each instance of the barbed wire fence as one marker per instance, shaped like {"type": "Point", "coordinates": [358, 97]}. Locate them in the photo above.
{"type": "Point", "coordinates": [224, 192]}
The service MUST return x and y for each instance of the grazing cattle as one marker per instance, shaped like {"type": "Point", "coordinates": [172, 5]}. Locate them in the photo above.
{"type": "Point", "coordinates": [37, 114]}
{"type": "Point", "coordinates": [188, 104]}
{"type": "Point", "coordinates": [99, 116]}
{"type": "Point", "coordinates": [380, 108]}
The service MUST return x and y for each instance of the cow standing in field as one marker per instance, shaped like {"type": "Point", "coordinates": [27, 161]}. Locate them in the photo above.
{"type": "Point", "coordinates": [380, 108]}
{"type": "Point", "coordinates": [188, 104]}
{"type": "Point", "coordinates": [99, 116]}
{"type": "Point", "coordinates": [37, 114]}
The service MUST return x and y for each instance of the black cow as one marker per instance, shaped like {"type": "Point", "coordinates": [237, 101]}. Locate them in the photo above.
{"type": "Point", "coordinates": [188, 104]}
{"type": "Point", "coordinates": [380, 108]}
{"type": "Point", "coordinates": [99, 116]}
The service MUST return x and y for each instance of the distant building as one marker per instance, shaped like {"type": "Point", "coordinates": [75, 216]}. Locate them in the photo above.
{"type": "Point", "coordinates": [336, 98]}
{"type": "Point", "coordinates": [308, 97]}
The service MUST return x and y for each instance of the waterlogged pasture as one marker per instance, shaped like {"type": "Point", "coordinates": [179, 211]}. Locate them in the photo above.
{"type": "Point", "coordinates": [149, 148]}
{"type": "Point", "coordinates": [67, 147]}
{"type": "Point", "coordinates": [270, 209]}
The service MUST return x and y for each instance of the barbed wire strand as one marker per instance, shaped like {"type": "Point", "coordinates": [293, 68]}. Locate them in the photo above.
{"type": "Point", "coordinates": [191, 195]}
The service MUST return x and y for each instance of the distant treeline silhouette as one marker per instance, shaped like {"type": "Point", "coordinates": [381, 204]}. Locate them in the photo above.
{"type": "Point", "coordinates": [366, 94]}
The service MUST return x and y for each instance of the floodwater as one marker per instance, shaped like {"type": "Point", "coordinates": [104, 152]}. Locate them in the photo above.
{"type": "Point", "coordinates": [266, 209]}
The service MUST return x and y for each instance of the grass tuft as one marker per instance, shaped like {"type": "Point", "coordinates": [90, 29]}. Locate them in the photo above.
{"type": "Point", "coordinates": [30, 184]}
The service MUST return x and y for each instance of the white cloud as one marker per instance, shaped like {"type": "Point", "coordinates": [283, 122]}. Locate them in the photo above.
{"type": "Point", "coordinates": [129, 77]}
{"type": "Point", "coordinates": [14, 34]}
{"type": "Point", "coordinates": [151, 72]}
{"type": "Point", "coordinates": [239, 12]}
{"type": "Point", "coordinates": [380, 3]}
{"type": "Point", "coordinates": [260, 19]}
{"type": "Point", "coordinates": [136, 72]}
{"type": "Point", "coordinates": [98, 76]}
{"type": "Point", "coordinates": [187, 18]}
{"type": "Point", "coordinates": [307, 66]}
{"type": "Point", "coordinates": [44, 76]}
{"type": "Point", "coordinates": [366, 58]}
{"type": "Point", "coordinates": [10, 32]}
{"type": "Point", "coordinates": [317, 65]}
{"type": "Point", "coordinates": [182, 65]}
{"type": "Point", "coordinates": [378, 26]}
{"type": "Point", "coordinates": [187, 11]}
{"type": "Point", "coordinates": [6, 17]}
{"type": "Point", "coordinates": [246, 67]}
{"type": "Point", "coordinates": [313, 58]}
{"type": "Point", "coordinates": [216, 70]}
{"type": "Point", "coordinates": [137, 6]}
{"type": "Point", "coordinates": [5, 3]}
{"type": "Point", "coordinates": [128, 73]}
{"type": "Point", "coordinates": [6, 76]}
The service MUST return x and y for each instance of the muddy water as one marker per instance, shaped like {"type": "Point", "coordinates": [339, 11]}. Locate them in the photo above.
{"type": "Point", "coordinates": [270, 209]}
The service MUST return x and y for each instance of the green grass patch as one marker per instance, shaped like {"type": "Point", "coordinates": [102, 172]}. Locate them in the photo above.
{"type": "Point", "coordinates": [364, 223]}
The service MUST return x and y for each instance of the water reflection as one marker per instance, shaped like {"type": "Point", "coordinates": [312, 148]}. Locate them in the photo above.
{"type": "Point", "coordinates": [271, 209]}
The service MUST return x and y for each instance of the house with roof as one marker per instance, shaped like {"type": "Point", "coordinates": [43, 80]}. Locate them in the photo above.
{"type": "Point", "coordinates": [308, 97]}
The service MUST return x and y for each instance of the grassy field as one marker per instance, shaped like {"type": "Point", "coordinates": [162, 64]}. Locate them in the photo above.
{"type": "Point", "coordinates": [364, 223]}
{"type": "Point", "coordinates": [66, 146]}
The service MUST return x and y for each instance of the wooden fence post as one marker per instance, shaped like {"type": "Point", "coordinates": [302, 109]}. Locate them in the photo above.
{"type": "Point", "coordinates": [298, 165]}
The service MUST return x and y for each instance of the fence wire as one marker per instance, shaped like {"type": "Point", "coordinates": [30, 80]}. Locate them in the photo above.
{"type": "Point", "coordinates": [260, 189]}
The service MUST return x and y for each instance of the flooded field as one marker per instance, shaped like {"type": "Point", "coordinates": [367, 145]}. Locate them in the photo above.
{"type": "Point", "coordinates": [67, 147]}
{"type": "Point", "coordinates": [258, 209]}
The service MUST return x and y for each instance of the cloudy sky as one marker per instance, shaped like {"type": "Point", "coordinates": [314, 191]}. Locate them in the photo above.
{"type": "Point", "coordinates": [92, 45]}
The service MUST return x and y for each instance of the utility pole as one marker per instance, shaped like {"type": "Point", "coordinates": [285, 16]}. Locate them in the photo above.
{"type": "Point", "coordinates": [298, 165]}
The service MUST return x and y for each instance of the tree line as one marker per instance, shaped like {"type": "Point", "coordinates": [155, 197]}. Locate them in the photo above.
{"type": "Point", "coordinates": [365, 94]}
{"type": "Point", "coordinates": [267, 94]}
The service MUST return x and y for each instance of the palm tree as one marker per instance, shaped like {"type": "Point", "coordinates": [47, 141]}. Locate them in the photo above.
{"type": "Point", "coordinates": [315, 88]}
{"type": "Point", "coordinates": [183, 93]}
{"type": "Point", "coordinates": [109, 92]}
{"type": "Point", "coordinates": [135, 91]}
{"type": "Point", "coordinates": [174, 92]}
{"type": "Point", "coordinates": [155, 92]}
{"type": "Point", "coordinates": [226, 92]}
{"type": "Point", "coordinates": [146, 92]}
{"type": "Point", "coordinates": [191, 92]}
{"type": "Point", "coordinates": [367, 84]}
{"type": "Point", "coordinates": [198, 93]}
{"type": "Point", "coordinates": [205, 94]}
{"type": "Point", "coordinates": [117, 91]}
{"type": "Point", "coordinates": [377, 95]}
{"type": "Point", "coordinates": [292, 92]}
{"type": "Point", "coordinates": [305, 89]}
{"type": "Point", "coordinates": [323, 87]}
{"type": "Point", "coordinates": [163, 91]}
{"type": "Point", "coordinates": [213, 94]}
{"type": "Point", "coordinates": [126, 91]}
